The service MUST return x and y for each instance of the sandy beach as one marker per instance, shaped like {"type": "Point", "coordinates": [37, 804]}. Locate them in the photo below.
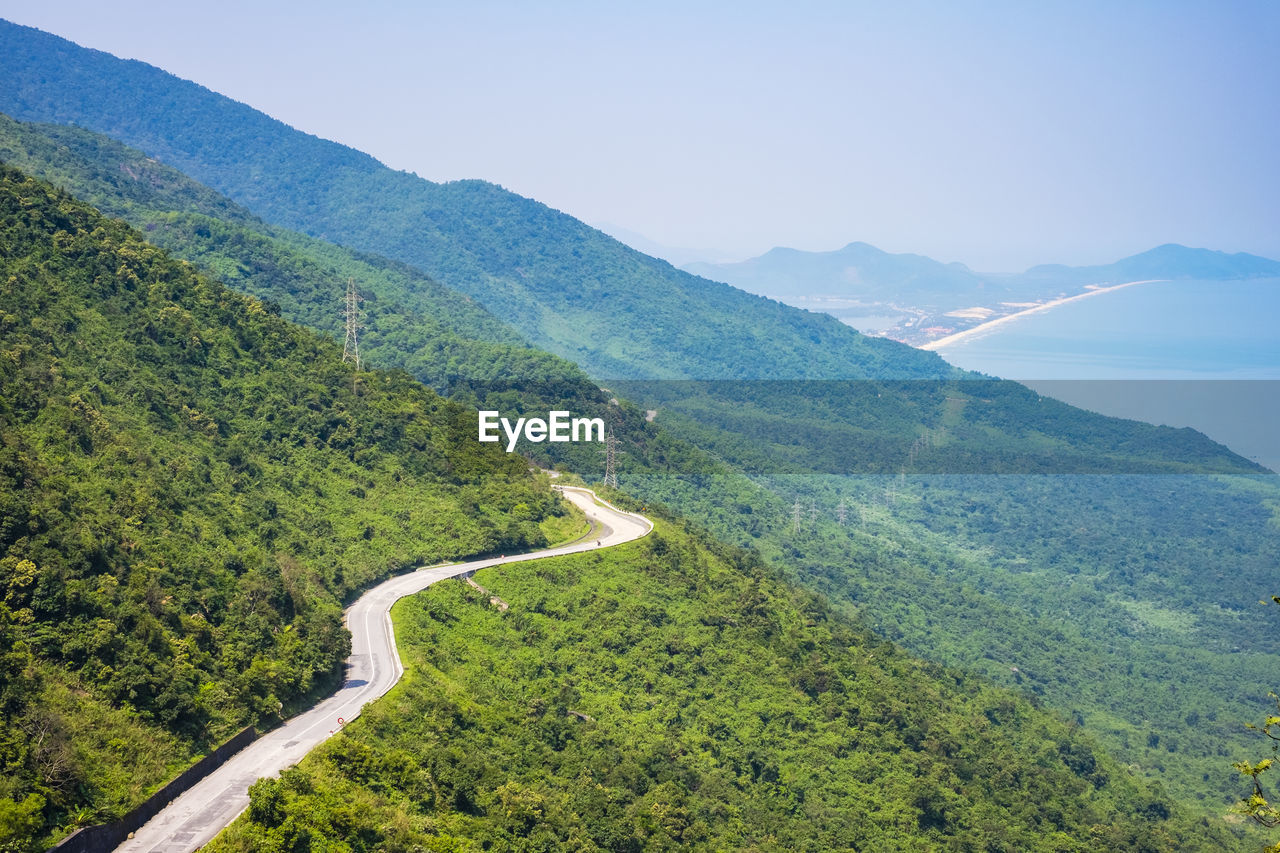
{"type": "Point", "coordinates": [983, 328]}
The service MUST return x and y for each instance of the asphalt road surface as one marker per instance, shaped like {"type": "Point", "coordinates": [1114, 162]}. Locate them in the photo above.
{"type": "Point", "coordinates": [194, 818]}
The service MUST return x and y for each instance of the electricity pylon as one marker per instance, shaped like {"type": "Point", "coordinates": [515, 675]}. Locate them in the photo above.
{"type": "Point", "coordinates": [611, 461]}
{"type": "Point", "coordinates": [351, 313]}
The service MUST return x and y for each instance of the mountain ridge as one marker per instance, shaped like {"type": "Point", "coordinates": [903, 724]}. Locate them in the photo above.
{"type": "Point", "coordinates": [540, 270]}
{"type": "Point", "coordinates": [784, 272]}
{"type": "Point", "coordinates": [855, 569]}
{"type": "Point", "coordinates": [1171, 260]}
{"type": "Point", "coordinates": [446, 340]}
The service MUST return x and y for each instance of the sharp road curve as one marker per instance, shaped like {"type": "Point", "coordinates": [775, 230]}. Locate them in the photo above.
{"type": "Point", "coordinates": [195, 817]}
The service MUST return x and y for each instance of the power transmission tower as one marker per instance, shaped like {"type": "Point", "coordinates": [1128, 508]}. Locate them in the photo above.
{"type": "Point", "coordinates": [351, 313]}
{"type": "Point", "coordinates": [796, 509]}
{"type": "Point", "coordinates": [842, 513]}
{"type": "Point", "coordinates": [611, 460]}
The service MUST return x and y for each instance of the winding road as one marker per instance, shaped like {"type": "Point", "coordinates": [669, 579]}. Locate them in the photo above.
{"type": "Point", "coordinates": [194, 818]}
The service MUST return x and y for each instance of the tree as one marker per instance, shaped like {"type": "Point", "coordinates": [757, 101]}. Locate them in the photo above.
{"type": "Point", "coordinates": [20, 823]}
{"type": "Point", "coordinates": [1258, 805]}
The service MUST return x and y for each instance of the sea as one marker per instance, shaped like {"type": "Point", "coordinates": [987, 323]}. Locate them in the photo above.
{"type": "Point", "coordinates": [1200, 354]}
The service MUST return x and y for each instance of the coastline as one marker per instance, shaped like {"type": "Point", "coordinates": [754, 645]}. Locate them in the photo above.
{"type": "Point", "coordinates": [983, 328]}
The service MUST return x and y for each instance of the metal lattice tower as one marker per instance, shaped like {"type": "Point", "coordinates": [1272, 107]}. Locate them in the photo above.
{"type": "Point", "coordinates": [796, 509]}
{"type": "Point", "coordinates": [351, 313]}
{"type": "Point", "coordinates": [611, 461]}
{"type": "Point", "coordinates": [842, 513]}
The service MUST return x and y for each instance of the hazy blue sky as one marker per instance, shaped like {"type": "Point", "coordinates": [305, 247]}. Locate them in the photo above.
{"type": "Point", "coordinates": [998, 134]}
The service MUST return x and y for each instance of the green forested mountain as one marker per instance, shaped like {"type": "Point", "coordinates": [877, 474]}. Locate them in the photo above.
{"type": "Point", "coordinates": [565, 286]}
{"type": "Point", "coordinates": [1012, 537]}
{"type": "Point", "coordinates": [455, 346]}
{"type": "Point", "coordinates": [674, 695]}
{"type": "Point", "coordinates": [446, 340]}
{"type": "Point", "coordinates": [1120, 600]}
{"type": "Point", "coordinates": [791, 436]}
{"type": "Point", "coordinates": [190, 487]}
{"type": "Point", "coordinates": [1104, 595]}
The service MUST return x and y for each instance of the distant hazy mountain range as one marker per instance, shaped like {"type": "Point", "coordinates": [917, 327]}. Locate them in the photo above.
{"type": "Point", "coordinates": [1167, 261]}
{"type": "Point", "coordinates": [859, 270]}
{"type": "Point", "coordinates": [677, 256]}
{"type": "Point", "coordinates": [903, 294]}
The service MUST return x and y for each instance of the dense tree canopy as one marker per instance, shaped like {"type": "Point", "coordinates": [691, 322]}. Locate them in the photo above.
{"type": "Point", "coordinates": [190, 488]}
{"type": "Point", "coordinates": [672, 694]}
{"type": "Point", "coordinates": [1088, 590]}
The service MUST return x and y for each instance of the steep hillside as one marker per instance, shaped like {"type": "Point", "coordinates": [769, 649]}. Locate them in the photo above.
{"type": "Point", "coordinates": [190, 487]}
{"type": "Point", "coordinates": [618, 313]}
{"type": "Point", "coordinates": [848, 427]}
{"type": "Point", "coordinates": [1089, 560]}
{"type": "Point", "coordinates": [1107, 596]}
{"type": "Point", "coordinates": [786, 434]}
{"type": "Point", "coordinates": [674, 695]}
{"type": "Point", "coordinates": [266, 481]}
{"type": "Point", "coordinates": [566, 287]}
{"type": "Point", "coordinates": [446, 340]}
